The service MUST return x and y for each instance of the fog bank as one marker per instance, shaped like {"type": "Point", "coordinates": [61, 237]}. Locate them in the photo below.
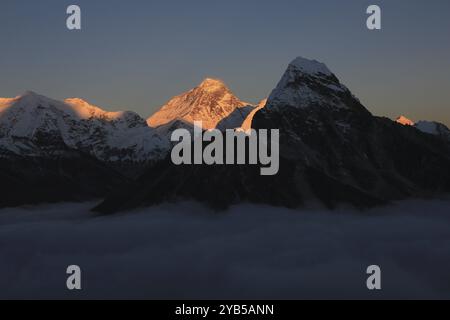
{"type": "Point", "coordinates": [252, 252]}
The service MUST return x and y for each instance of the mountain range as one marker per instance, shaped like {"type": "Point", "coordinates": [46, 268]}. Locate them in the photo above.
{"type": "Point", "coordinates": [430, 127]}
{"type": "Point", "coordinates": [332, 149]}
{"type": "Point", "coordinates": [37, 126]}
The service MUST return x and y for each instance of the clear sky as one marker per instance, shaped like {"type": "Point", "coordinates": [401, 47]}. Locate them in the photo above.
{"type": "Point", "coordinates": [137, 54]}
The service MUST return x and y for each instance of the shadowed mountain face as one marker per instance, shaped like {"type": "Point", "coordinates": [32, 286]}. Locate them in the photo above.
{"type": "Point", "coordinates": [332, 149]}
{"type": "Point", "coordinates": [325, 127]}
{"type": "Point", "coordinates": [71, 177]}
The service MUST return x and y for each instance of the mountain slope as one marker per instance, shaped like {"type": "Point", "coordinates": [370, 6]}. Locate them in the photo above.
{"type": "Point", "coordinates": [211, 102]}
{"type": "Point", "coordinates": [330, 132]}
{"type": "Point", "coordinates": [34, 125]}
{"type": "Point", "coordinates": [73, 176]}
{"type": "Point", "coordinates": [53, 151]}
{"type": "Point", "coordinates": [247, 124]}
{"type": "Point", "coordinates": [331, 149]}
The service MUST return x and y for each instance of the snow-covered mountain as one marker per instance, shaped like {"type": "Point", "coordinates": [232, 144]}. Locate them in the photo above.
{"type": "Point", "coordinates": [433, 127]}
{"type": "Point", "coordinates": [212, 102]}
{"type": "Point", "coordinates": [405, 121]}
{"type": "Point", "coordinates": [430, 127]}
{"type": "Point", "coordinates": [308, 83]}
{"type": "Point", "coordinates": [332, 150]}
{"type": "Point", "coordinates": [34, 125]}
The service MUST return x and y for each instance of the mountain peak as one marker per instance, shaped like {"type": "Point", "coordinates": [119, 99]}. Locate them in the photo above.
{"type": "Point", "coordinates": [212, 85]}
{"type": "Point", "coordinates": [434, 128]}
{"type": "Point", "coordinates": [30, 99]}
{"type": "Point", "coordinates": [31, 96]}
{"type": "Point", "coordinates": [210, 102]}
{"type": "Point", "coordinates": [405, 121]}
{"type": "Point", "coordinates": [309, 83]}
{"type": "Point", "coordinates": [29, 93]}
{"type": "Point", "coordinates": [310, 66]}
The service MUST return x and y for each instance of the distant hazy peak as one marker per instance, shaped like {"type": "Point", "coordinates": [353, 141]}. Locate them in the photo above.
{"type": "Point", "coordinates": [433, 127]}
{"type": "Point", "coordinates": [405, 121]}
{"type": "Point", "coordinates": [430, 127]}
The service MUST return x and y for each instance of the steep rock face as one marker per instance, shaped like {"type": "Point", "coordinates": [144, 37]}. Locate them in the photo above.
{"type": "Point", "coordinates": [211, 102]}
{"type": "Point", "coordinates": [324, 128]}
{"type": "Point", "coordinates": [308, 83]}
{"type": "Point", "coordinates": [331, 149]}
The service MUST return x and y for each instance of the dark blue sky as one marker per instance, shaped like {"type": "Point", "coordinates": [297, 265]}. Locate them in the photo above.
{"type": "Point", "coordinates": [137, 54]}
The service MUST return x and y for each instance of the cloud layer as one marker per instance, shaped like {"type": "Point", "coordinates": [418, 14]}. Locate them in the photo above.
{"type": "Point", "coordinates": [186, 251]}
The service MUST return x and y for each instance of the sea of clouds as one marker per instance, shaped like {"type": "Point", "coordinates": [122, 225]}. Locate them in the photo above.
{"type": "Point", "coordinates": [186, 251]}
